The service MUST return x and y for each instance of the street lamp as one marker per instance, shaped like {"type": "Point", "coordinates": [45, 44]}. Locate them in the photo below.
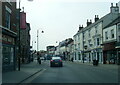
{"type": "Point", "coordinates": [33, 44]}
{"type": "Point", "coordinates": [38, 37]}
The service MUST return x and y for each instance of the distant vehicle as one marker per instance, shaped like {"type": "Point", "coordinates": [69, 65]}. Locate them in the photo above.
{"type": "Point", "coordinates": [56, 61]}
{"type": "Point", "coordinates": [48, 57]}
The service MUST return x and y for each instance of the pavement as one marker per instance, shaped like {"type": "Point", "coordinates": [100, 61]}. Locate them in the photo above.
{"type": "Point", "coordinates": [108, 66]}
{"type": "Point", "coordinates": [28, 70]}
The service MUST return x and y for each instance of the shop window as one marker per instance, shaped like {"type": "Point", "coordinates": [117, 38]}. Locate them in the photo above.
{"type": "Point", "coordinates": [8, 55]}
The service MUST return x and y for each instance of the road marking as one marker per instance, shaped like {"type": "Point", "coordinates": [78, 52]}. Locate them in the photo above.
{"type": "Point", "coordinates": [32, 77]}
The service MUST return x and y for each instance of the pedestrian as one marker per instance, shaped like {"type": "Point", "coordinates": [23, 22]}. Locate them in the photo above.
{"type": "Point", "coordinates": [39, 60]}
{"type": "Point", "coordinates": [72, 59]}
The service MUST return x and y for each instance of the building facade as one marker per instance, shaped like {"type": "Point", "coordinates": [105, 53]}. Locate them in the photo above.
{"type": "Point", "coordinates": [88, 40]}
{"type": "Point", "coordinates": [25, 43]}
{"type": "Point", "coordinates": [110, 40]}
{"type": "Point", "coordinates": [9, 35]}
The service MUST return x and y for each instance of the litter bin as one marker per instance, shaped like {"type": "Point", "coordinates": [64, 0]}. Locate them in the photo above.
{"type": "Point", "coordinates": [95, 62]}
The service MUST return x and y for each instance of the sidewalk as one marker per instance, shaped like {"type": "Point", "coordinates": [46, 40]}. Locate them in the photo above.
{"type": "Point", "coordinates": [26, 71]}
{"type": "Point", "coordinates": [109, 66]}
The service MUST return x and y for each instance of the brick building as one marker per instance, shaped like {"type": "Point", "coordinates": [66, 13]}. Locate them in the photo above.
{"type": "Point", "coordinates": [8, 25]}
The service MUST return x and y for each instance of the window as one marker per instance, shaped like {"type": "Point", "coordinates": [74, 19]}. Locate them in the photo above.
{"type": "Point", "coordinates": [94, 43]}
{"type": "Point", "coordinates": [119, 39]}
{"type": "Point", "coordinates": [78, 37]}
{"type": "Point", "coordinates": [7, 19]}
{"type": "Point", "coordinates": [79, 45]}
{"type": "Point", "coordinates": [112, 33]}
{"type": "Point", "coordinates": [96, 29]}
{"type": "Point", "coordinates": [119, 26]}
{"type": "Point", "coordinates": [89, 34]}
{"type": "Point", "coordinates": [90, 43]}
{"type": "Point", "coordinates": [98, 41]}
{"type": "Point", "coordinates": [106, 35]}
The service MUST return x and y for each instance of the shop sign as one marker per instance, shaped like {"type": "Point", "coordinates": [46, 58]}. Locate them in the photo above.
{"type": "Point", "coordinates": [8, 39]}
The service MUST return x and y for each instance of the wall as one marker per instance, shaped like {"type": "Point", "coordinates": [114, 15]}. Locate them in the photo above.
{"type": "Point", "coordinates": [0, 13]}
{"type": "Point", "coordinates": [109, 33]}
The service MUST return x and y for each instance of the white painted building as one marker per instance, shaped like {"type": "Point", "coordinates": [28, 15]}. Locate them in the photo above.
{"type": "Point", "coordinates": [111, 42]}
{"type": "Point", "coordinates": [88, 40]}
{"type": "Point", "coordinates": [109, 34]}
{"type": "Point", "coordinates": [119, 6]}
{"type": "Point", "coordinates": [78, 45]}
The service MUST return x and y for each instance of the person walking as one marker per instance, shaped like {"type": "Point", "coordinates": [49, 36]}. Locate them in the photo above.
{"type": "Point", "coordinates": [72, 59]}
{"type": "Point", "coordinates": [39, 60]}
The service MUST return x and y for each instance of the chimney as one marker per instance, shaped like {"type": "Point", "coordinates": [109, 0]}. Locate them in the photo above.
{"type": "Point", "coordinates": [116, 4]}
{"type": "Point", "coordinates": [80, 27]}
{"type": "Point", "coordinates": [114, 9]}
{"type": "Point", "coordinates": [96, 18]}
{"type": "Point", "coordinates": [111, 4]}
{"type": "Point", "coordinates": [88, 23]}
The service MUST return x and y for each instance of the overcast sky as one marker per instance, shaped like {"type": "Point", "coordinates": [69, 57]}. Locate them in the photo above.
{"type": "Point", "coordinates": [60, 19]}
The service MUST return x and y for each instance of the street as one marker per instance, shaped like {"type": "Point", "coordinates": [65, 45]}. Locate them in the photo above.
{"type": "Point", "coordinates": [74, 73]}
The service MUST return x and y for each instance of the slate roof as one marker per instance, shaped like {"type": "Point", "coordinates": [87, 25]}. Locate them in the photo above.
{"type": "Point", "coordinates": [114, 22]}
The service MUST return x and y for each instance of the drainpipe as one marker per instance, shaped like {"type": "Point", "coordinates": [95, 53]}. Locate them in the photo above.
{"type": "Point", "coordinates": [83, 47]}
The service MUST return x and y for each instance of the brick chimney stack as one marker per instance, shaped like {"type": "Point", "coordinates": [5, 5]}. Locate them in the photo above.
{"type": "Point", "coordinates": [88, 23]}
{"type": "Point", "coordinates": [96, 18]}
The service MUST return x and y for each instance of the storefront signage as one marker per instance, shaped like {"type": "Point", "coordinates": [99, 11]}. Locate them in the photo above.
{"type": "Point", "coordinates": [8, 39]}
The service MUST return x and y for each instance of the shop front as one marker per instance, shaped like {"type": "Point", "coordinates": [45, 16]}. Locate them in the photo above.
{"type": "Point", "coordinates": [8, 53]}
{"type": "Point", "coordinates": [109, 53]}
{"type": "Point", "coordinates": [118, 52]}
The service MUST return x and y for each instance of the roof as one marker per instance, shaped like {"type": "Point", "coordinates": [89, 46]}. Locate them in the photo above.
{"type": "Point", "coordinates": [106, 20]}
{"type": "Point", "coordinates": [113, 23]}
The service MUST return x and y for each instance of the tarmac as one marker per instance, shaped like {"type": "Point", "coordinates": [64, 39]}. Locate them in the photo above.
{"type": "Point", "coordinates": [28, 70]}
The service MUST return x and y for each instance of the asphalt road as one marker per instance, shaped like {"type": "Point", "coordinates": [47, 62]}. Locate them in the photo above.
{"type": "Point", "coordinates": [75, 73]}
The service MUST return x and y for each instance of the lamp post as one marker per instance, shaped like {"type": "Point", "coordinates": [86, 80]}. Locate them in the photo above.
{"type": "Point", "coordinates": [19, 41]}
{"type": "Point", "coordinates": [38, 37]}
{"type": "Point", "coordinates": [58, 48]}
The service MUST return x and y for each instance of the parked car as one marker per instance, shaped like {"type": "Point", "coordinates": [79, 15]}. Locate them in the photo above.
{"type": "Point", "coordinates": [56, 61]}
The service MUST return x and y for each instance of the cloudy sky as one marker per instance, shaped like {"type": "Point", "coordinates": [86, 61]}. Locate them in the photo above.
{"type": "Point", "coordinates": [60, 19]}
